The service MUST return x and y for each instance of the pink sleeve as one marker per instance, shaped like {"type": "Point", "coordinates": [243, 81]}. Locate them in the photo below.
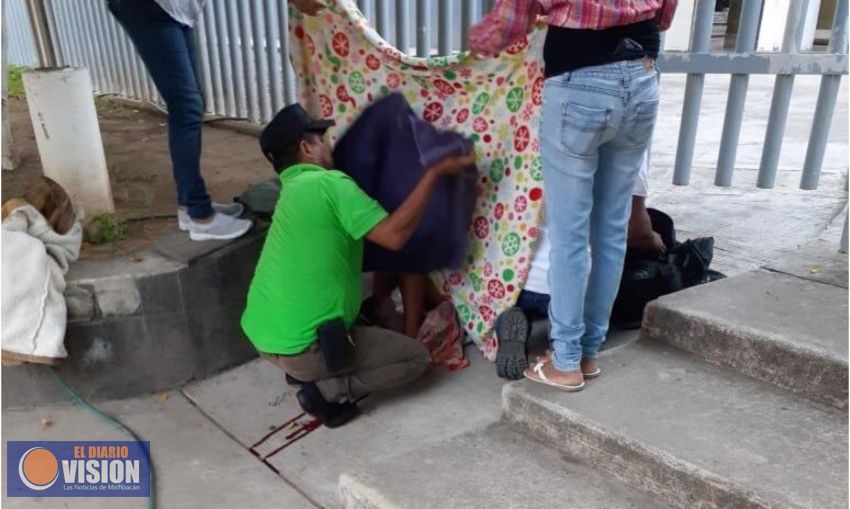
{"type": "Point", "coordinates": [508, 21]}
{"type": "Point", "coordinates": [665, 14]}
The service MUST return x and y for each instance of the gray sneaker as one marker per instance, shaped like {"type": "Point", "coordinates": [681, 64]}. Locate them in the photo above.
{"type": "Point", "coordinates": [222, 227]}
{"type": "Point", "coordinates": [231, 209]}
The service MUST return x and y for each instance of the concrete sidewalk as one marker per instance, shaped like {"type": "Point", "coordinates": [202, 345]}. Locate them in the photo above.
{"type": "Point", "coordinates": [207, 440]}
{"type": "Point", "coordinates": [751, 226]}
{"type": "Point", "coordinates": [196, 464]}
{"type": "Point", "coordinates": [240, 439]}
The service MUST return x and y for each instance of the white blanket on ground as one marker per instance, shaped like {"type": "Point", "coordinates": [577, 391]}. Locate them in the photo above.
{"type": "Point", "coordinates": [35, 260]}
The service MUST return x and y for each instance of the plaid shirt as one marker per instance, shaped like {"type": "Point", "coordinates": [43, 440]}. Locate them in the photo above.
{"type": "Point", "coordinates": [510, 20]}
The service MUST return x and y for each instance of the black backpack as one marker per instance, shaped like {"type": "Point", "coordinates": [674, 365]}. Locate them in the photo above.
{"type": "Point", "coordinates": [647, 276]}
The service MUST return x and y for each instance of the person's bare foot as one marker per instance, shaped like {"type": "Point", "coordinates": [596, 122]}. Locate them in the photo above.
{"type": "Point", "coordinates": [564, 380]}
{"type": "Point", "coordinates": [590, 368]}
{"type": "Point", "coordinates": [546, 357]}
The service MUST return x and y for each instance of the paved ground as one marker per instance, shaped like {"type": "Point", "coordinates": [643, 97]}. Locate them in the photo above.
{"type": "Point", "coordinates": [197, 465]}
{"type": "Point", "coordinates": [201, 450]}
{"type": "Point", "coordinates": [239, 439]}
{"type": "Point", "coordinates": [751, 226]}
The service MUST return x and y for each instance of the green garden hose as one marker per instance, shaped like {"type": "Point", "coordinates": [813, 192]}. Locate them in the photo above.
{"type": "Point", "coordinates": [84, 404]}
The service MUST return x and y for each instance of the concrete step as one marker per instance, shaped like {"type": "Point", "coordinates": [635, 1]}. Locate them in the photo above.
{"type": "Point", "coordinates": [778, 328]}
{"type": "Point", "coordinates": [700, 435]}
{"type": "Point", "coordinates": [148, 323]}
{"type": "Point", "coordinates": [492, 467]}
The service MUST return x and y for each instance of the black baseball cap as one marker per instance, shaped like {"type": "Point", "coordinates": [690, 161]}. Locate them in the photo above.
{"type": "Point", "coordinates": [287, 128]}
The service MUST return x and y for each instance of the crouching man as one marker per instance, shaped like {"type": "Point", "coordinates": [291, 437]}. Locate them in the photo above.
{"type": "Point", "coordinates": [306, 291]}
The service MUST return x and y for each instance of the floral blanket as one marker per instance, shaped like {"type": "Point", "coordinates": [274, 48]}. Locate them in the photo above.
{"type": "Point", "coordinates": [343, 65]}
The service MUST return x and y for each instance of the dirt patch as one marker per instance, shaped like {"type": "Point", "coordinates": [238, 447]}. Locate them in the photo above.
{"type": "Point", "coordinates": [136, 146]}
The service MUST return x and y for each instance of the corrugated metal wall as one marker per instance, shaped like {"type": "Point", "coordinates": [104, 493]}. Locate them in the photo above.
{"type": "Point", "coordinates": [242, 46]}
{"type": "Point", "coordinates": [20, 49]}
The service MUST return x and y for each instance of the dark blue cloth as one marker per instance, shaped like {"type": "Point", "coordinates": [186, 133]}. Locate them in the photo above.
{"type": "Point", "coordinates": [535, 305]}
{"type": "Point", "coordinates": [386, 151]}
{"type": "Point", "coordinates": [168, 50]}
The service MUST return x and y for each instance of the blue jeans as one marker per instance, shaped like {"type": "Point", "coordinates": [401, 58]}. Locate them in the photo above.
{"type": "Point", "coordinates": [595, 127]}
{"type": "Point", "coordinates": [168, 50]}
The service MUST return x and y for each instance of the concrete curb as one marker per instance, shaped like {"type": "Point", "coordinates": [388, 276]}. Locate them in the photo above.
{"type": "Point", "coordinates": [645, 468]}
{"type": "Point", "coordinates": [810, 372]}
{"type": "Point", "coordinates": [140, 328]}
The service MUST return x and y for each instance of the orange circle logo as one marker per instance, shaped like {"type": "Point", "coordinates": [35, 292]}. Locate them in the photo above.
{"type": "Point", "coordinates": [38, 468]}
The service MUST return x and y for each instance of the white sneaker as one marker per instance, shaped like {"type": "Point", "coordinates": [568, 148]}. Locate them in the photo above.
{"type": "Point", "coordinates": [222, 227]}
{"type": "Point", "coordinates": [234, 209]}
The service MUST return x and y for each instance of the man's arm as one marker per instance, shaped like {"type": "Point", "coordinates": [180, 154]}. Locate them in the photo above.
{"type": "Point", "coordinates": [641, 235]}
{"type": "Point", "coordinates": [508, 21]}
{"type": "Point", "coordinates": [394, 231]}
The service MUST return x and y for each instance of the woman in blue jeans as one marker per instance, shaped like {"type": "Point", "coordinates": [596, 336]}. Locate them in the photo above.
{"type": "Point", "coordinates": [600, 100]}
{"type": "Point", "coordinates": [162, 32]}
{"type": "Point", "coordinates": [513, 327]}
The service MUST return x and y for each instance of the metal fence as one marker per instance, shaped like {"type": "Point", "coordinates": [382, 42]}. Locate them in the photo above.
{"type": "Point", "coordinates": [243, 52]}
{"type": "Point", "coordinates": [243, 46]}
{"type": "Point", "coordinates": [18, 40]}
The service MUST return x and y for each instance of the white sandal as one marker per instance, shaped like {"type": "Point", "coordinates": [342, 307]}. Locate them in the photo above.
{"type": "Point", "coordinates": [541, 378]}
{"type": "Point", "coordinates": [595, 374]}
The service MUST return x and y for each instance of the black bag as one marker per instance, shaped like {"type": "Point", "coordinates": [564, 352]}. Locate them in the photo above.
{"type": "Point", "coordinates": [260, 199]}
{"type": "Point", "coordinates": [647, 276]}
{"type": "Point", "coordinates": [336, 344]}
{"type": "Point", "coordinates": [692, 259]}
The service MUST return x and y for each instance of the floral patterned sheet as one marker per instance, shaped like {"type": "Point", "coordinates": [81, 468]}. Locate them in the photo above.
{"type": "Point", "coordinates": [343, 65]}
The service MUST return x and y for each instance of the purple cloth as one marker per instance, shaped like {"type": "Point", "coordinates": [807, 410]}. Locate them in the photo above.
{"type": "Point", "coordinates": [386, 151]}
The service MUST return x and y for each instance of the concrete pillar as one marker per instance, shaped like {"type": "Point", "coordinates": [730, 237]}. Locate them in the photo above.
{"type": "Point", "coordinates": [68, 135]}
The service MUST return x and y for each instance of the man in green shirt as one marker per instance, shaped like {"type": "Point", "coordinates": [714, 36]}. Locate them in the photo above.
{"type": "Point", "coordinates": [309, 271]}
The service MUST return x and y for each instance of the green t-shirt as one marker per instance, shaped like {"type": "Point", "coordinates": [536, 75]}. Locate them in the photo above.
{"type": "Point", "coordinates": [309, 271]}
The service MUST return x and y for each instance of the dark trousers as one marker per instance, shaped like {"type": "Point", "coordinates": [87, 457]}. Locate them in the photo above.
{"type": "Point", "coordinates": [383, 359]}
{"type": "Point", "coordinates": [168, 50]}
{"type": "Point", "coordinates": [535, 305]}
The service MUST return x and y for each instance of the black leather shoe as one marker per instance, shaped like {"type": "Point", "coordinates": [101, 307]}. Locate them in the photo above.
{"type": "Point", "coordinates": [331, 415]}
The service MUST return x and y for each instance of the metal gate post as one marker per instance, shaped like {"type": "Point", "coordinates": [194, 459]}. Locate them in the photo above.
{"type": "Point", "coordinates": [746, 43]}
{"type": "Point", "coordinates": [827, 96]}
{"type": "Point", "coordinates": [782, 89]}
{"type": "Point", "coordinates": [700, 43]}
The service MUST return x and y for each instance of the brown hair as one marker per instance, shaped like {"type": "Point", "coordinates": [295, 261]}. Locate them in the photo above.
{"type": "Point", "coordinates": [51, 200]}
